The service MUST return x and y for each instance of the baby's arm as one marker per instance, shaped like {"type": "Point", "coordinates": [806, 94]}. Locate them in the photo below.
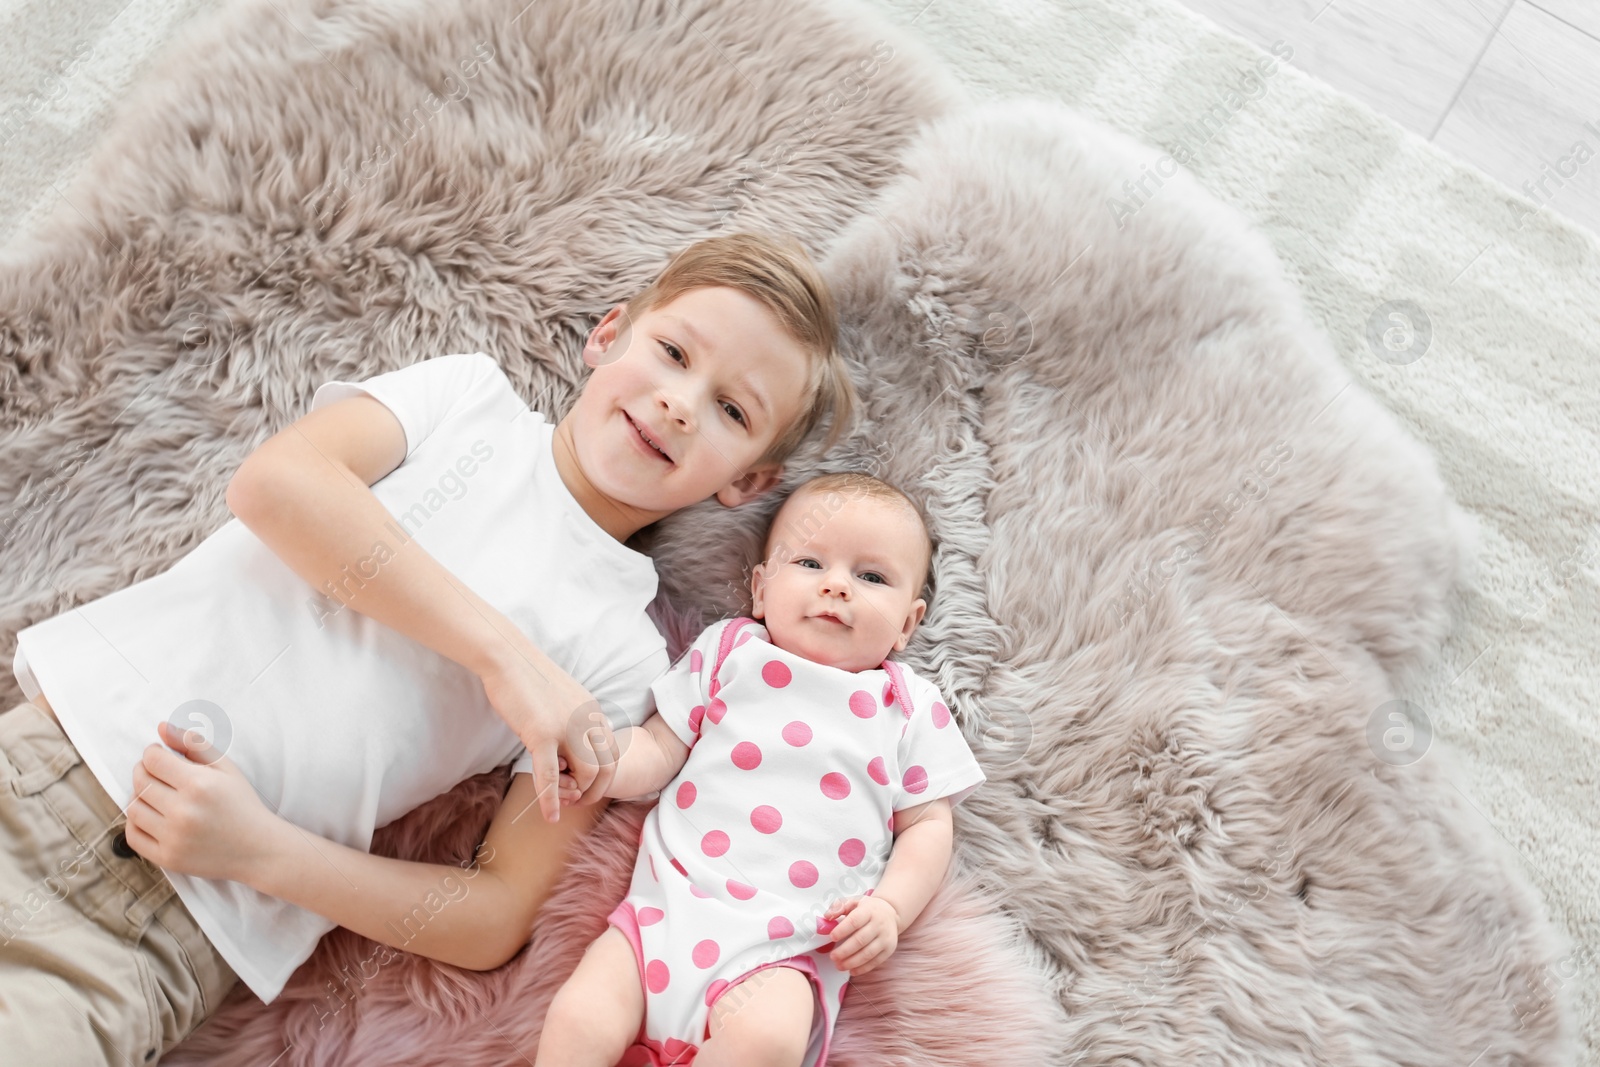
{"type": "Point", "coordinates": [647, 758]}
{"type": "Point", "coordinates": [871, 927]}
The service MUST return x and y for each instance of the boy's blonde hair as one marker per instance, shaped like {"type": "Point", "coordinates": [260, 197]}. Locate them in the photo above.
{"type": "Point", "coordinates": [776, 271]}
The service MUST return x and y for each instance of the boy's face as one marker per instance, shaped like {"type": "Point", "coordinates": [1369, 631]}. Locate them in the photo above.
{"type": "Point", "coordinates": [841, 581]}
{"type": "Point", "coordinates": [711, 378]}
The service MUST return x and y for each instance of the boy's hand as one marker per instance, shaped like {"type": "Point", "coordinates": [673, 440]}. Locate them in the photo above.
{"type": "Point", "coordinates": [544, 705]}
{"type": "Point", "coordinates": [866, 935]}
{"type": "Point", "coordinates": [194, 811]}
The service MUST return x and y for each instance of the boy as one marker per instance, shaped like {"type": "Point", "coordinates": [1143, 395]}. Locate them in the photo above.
{"type": "Point", "coordinates": [482, 574]}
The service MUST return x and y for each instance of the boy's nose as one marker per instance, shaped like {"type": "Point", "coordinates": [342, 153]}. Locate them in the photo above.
{"type": "Point", "coordinates": [679, 409]}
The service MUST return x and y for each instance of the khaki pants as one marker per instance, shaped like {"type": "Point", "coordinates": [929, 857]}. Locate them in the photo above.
{"type": "Point", "coordinates": [100, 961]}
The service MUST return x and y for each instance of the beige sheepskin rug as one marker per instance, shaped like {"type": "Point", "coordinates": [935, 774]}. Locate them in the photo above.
{"type": "Point", "coordinates": [1183, 561]}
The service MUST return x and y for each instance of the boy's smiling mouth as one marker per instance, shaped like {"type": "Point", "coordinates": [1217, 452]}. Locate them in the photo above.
{"type": "Point", "coordinates": [645, 440]}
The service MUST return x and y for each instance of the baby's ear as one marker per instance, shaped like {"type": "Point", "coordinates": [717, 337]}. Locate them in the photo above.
{"type": "Point", "coordinates": [750, 485]}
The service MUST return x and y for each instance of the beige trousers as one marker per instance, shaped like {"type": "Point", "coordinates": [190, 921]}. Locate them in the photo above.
{"type": "Point", "coordinates": [100, 961]}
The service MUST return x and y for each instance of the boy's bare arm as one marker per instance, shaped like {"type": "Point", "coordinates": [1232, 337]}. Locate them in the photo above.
{"type": "Point", "coordinates": [476, 917]}
{"type": "Point", "coordinates": [922, 844]}
{"type": "Point", "coordinates": [305, 493]}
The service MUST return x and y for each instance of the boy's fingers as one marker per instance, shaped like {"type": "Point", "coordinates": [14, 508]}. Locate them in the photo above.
{"type": "Point", "coordinates": [545, 778]}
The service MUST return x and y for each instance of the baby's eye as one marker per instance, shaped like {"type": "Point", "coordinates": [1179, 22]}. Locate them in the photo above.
{"type": "Point", "coordinates": [733, 410]}
{"type": "Point", "coordinates": [672, 350]}
{"type": "Point", "coordinates": [806, 561]}
{"type": "Point", "coordinates": [875, 577]}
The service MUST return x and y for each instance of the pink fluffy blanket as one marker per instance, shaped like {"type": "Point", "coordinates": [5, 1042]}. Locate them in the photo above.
{"type": "Point", "coordinates": [955, 992]}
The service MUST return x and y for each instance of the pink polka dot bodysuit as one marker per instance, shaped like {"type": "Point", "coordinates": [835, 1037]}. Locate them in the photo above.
{"type": "Point", "coordinates": [784, 805]}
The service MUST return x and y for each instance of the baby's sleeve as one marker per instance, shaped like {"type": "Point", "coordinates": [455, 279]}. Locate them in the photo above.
{"type": "Point", "coordinates": [934, 758]}
{"type": "Point", "coordinates": [430, 391]}
{"type": "Point", "coordinates": [682, 694]}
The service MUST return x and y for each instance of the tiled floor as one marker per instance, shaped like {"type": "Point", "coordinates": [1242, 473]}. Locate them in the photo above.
{"type": "Point", "coordinates": [1511, 86]}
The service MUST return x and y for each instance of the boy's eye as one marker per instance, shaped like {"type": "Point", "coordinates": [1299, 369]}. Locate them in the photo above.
{"type": "Point", "coordinates": [733, 410]}
{"type": "Point", "coordinates": [874, 577]}
{"type": "Point", "coordinates": [809, 562]}
{"type": "Point", "coordinates": [673, 351]}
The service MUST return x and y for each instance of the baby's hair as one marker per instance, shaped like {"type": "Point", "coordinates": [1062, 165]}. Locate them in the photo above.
{"type": "Point", "coordinates": [776, 271]}
{"type": "Point", "coordinates": [858, 483]}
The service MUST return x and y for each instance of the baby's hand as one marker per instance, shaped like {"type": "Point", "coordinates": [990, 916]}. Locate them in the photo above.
{"type": "Point", "coordinates": [865, 936]}
{"type": "Point", "coordinates": [566, 785]}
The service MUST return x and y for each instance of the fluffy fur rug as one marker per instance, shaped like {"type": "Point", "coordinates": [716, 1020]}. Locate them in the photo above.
{"type": "Point", "coordinates": [1183, 560]}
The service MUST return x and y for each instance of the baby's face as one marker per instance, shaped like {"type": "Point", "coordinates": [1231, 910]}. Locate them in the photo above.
{"type": "Point", "coordinates": [840, 585]}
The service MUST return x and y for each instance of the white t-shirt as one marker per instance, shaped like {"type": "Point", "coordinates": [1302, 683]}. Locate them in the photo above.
{"type": "Point", "coordinates": [341, 723]}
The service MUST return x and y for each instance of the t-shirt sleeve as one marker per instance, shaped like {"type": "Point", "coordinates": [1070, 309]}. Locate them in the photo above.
{"type": "Point", "coordinates": [682, 694]}
{"type": "Point", "coordinates": [425, 394]}
{"type": "Point", "coordinates": [934, 758]}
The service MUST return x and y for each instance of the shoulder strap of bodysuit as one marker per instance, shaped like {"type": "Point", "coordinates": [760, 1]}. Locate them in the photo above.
{"type": "Point", "coordinates": [729, 633]}
{"type": "Point", "coordinates": [897, 681]}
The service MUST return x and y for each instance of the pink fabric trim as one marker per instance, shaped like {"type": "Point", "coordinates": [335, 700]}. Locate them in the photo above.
{"type": "Point", "coordinates": [898, 681]}
{"type": "Point", "coordinates": [624, 918]}
{"type": "Point", "coordinates": [806, 966]}
{"type": "Point", "coordinates": [724, 646]}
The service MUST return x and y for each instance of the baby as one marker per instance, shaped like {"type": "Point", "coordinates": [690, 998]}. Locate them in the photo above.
{"type": "Point", "coordinates": [797, 765]}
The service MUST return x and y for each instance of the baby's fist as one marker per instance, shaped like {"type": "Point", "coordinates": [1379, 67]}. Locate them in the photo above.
{"type": "Point", "coordinates": [866, 935]}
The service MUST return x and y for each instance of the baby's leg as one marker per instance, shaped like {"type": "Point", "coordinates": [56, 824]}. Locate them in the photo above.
{"type": "Point", "coordinates": [764, 1021]}
{"type": "Point", "coordinates": [596, 1015]}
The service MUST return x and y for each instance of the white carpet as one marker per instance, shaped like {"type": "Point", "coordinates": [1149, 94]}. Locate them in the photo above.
{"type": "Point", "coordinates": [1364, 214]}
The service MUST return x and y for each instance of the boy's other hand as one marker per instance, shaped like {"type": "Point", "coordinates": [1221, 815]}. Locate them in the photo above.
{"type": "Point", "coordinates": [194, 811]}
{"type": "Point", "coordinates": [543, 704]}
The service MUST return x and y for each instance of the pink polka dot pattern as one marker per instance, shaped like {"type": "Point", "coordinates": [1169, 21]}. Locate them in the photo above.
{"type": "Point", "coordinates": [746, 756]}
{"type": "Point", "coordinates": [696, 891]}
{"type": "Point", "coordinates": [678, 867]}
{"type": "Point", "coordinates": [716, 710]}
{"type": "Point", "coordinates": [835, 786]}
{"type": "Point", "coordinates": [697, 715]}
{"type": "Point", "coordinates": [650, 916]}
{"type": "Point", "coordinates": [915, 779]}
{"type": "Point", "coordinates": [779, 927]}
{"type": "Point", "coordinates": [686, 794]}
{"type": "Point", "coordinates": [656, 976]}
{"type": "Point", "coordinates": [802, 875]}
{"type": "Point", "coordinates": [714, 990]}
{"type": "Point", "coordinates": [877, 771]}
{"type": "Point", "coordinates": [740, 891]}
{"type": "Point", "coordinates": [826, 925]}
{"type": "Point", "coordinates": [705, 953]}
{"type": "Point", "coordinates": [888, 693]}
{"type": "Point", "coordinates": [852, 851]}
{"type": "Point", "coordinates": [862, 706]}
{"type": "Point", "coordinates": [715, 685]}
{"type": "Point", "coordinates": [766, 819]}
{"type": "Point", "coordinates": [715, 843]}
{"type": "Point", "coordinates": [797, 733]}
{"type": "Point", "coordinates": [653, 873]}
{"type": "Point", "coordinates": [743, 637]}
{"type": "Point", "coordinates": [776, 673]}
{"type": "Point", "coordinates": [941, 715]}
{"type": "Point", "coordinates": [696, 661]}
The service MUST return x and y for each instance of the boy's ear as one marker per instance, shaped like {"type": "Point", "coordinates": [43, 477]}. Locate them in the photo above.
{"type": "Point", "coordinates": [603, 336]}
{"type": "Point", "coordinates": [750, 485]}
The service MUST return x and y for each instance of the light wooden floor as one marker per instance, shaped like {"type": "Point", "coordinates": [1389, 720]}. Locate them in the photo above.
{"type": "Point", "coordinates": [1511, 86]}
